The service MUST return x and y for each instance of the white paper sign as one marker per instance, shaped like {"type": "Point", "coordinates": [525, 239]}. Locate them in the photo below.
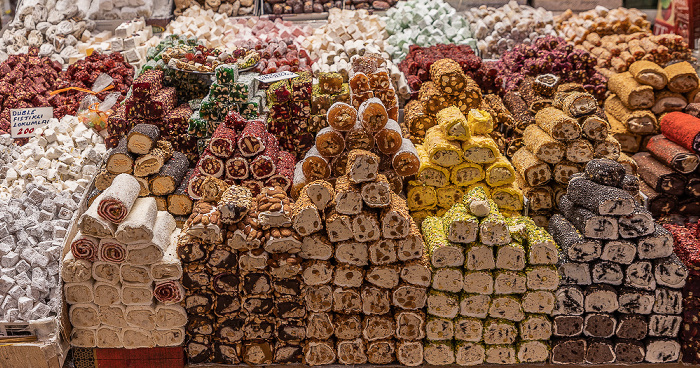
{"type": "Point", "coordinates": [24, 122]}
{"type": "Point", "coordinates": [274, 77]}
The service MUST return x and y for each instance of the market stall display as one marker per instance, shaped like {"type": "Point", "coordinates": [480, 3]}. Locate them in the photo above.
{"type": "Point", "coordinates": [365, 283]}
{"type": "Point", "coordinates": [601, 21]}
{"type": "Point", "coordinates": [131, 38]}
{"type": "Point", "coordinates": [619, 302]}
{"type": "Point", "coordinates": [500, 29]}
{"type": "Point", "coordinates": [492, 286]}
{"type": "Point", "coordinates": [121, 274]}
{"type": "Point", "coordinates": [424, 23]}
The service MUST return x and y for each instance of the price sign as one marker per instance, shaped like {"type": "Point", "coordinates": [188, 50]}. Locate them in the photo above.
{"type": "Point", "coordinates": [25, 122]}
{"type": "Point", "coordinates": [274, 77]}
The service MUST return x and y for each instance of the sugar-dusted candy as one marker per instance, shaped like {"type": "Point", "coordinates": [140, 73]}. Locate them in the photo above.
{"type": "Point", "coordinates": [373, 114]}
{"type": "Point", "coordinates": [341, 116]}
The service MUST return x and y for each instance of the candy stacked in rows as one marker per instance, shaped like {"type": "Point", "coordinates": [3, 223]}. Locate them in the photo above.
{"type": "Point", "coordinates": [122, 275]}
{"type": "Point", "coordinates": [367, 122]}
{"type": "Point", "coordinates": [492, 286]}
{"type": "Point", "coordinates": [669, 170]}
{"type": "Point", "coordinates": [243, 152]}
{"type": "Point", "coordinates": [151, 158]}
{"type": "Point", "coordinates": [641, 96]}
{"type": "Point", "coordinates": [620, 299]}
{"type": "Point", "coordinates": [363, 270]}
{"type": "Point", "coordinates": [214, 242]}
{"type": "Point", "coordinates": [687, 247]}
{"type": "Point", "coordinates": [448, 86]}
{"type": "Point", "coordinates": [329, 89]}
{"type": "Point", "coordinates": [565, 131]}
{"type": "Point", "coordinates": [230, 92]}
{"type": "Point", "coordinates": [289, 103]}
{"type": "Point", "coordinates": [456, 156]}
{"type": "Point", "coordinates": [151, 102]}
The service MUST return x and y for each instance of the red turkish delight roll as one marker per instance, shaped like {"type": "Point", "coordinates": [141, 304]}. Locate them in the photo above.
{"type": "Point", "coordinates": [85, 247]}
{"type": "Point", "coordinates": [252, 139]}
{"type": "Point", "coordinates": [235, 121]}
{"type": "Point", "coordinates": [373, 114]}
{"type": "Point", "coordinates": [341, 116]}
{"type": "Point", "coordinates": [330, 142]}
{"type": "Point", "coordinates": [683, 129]}
{"type": "Point", "coordinates": [211, 165]}
{"type": "Point", "coordinates": [223, 142]}
{"type": "Point", "coordinates": [147, 84]}
{"type": "Point", "coordinates": [169, 292]}
{"type": "Point", "coordinates": [264, 165]}
{"type": "Point", "coordinates": [285, 172]}
{"type": "Point", "coordinates": [237, 167]}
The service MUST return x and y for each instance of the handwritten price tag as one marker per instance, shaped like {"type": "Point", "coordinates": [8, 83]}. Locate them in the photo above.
{"type": "Point", "coordinates": [274, 77]}
{"type": "Point", "coordinates": [25, 122]}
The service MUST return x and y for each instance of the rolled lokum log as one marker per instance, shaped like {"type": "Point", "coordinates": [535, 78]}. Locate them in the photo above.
{"type": "Point", "coordinates": [608, 148]}
{"type": "Point", "coordinates": [649, 73]}
{"type": "Point", "coordinates": [362, 166]}
{"type": "Point", "coordinates": [500, 173]}
{"type": "Point", "coordinates": [153, 161]}
{"type": "Point", "coordinates": [480, 150]}
{"type": "Point", "coordinates": [500, 354]}
{"type": "Point", "coordinates": [480, 122]}
{"type": "Point", "coordinates": [543, 145]}
{"type": "Point", "coordinates": [372, 114]}
{"type": "Point", "coordinates": [667, 101]}
{"type": "Point", "coordinates": [662, 350]}
{"type": "Point", "coordinates": [564, 170]}
{"type": "Point", "coordinates": [600, 199]}
{"type": "Point", "coordinates": [573, 244]}
{"type": "Point", "coordinates": [557, 124]}
{"type": "Point", "coordinates": [629, 142]}
{"type": "Point", "coordinates": [637, 121]}
{"type": "Point", "coordinates": [75, 270]}
{"type": "Point", "coordinates": [417, 120]}
{"type": "Point", "coordinates": [389, 138]}
{"type": "Point", "coordinates": [448, 75]}
{"type": "Point", "coordinates": [638, 223]}
{"type": "Point", "coordinates": [599, 325]}
{"type": "Point", "coordinates": [520, 110]}
{"type": "Point", "coordinates": [629, 352]}
{"type": "Point", "coordinates": [592, 225]}
{"type": "Point", "coordinates": [406, 161]}
{"type": "Point", "coordinates": [632, 326]}
{"type": "Point", "coordinates": [264, 165]}
{"type": "Point", "coordinates": [664, 325]}
{"type": "Point", "coordinates": [137, 227]}
{"type": "Point", "coordinates": [460, 225]}
{"type": "Point", "coordinates": [120, 161]}
{"type": "Point", "coordinates": [672, 154]}
{"type": "Point", "coordinates": [509, 282]}
{"type": "Point", "coordinates": [395, 219]}
{"type": "Point", "coordinates": [252, 139]}
{"type": "Point", "coordinates": [569, 301]}
{"type": "Point", "coordinates": [682, 129]}
{"type": "Point", "coordinates": [670, 272]}
{"type": "Point", "coordinates": [115, 203]}
{"type": "Point", "coordinates": [632, 94]}
{"type": "Point", "coordinates": [569, 351]}
{"type": "Point", "coordinates": [636, 301]}
{"type": "Point", "coordinates": [439, 353]}
{"type": "Point", "coordinates": [579, 150]}
{"type": "Point", "coordinates": [577, 104]}
{"type": "Point", "coordinates": [315, 166]}
{"type": "Point", "coordinates": [605, 172]}
{"type": "Point", "coordinates": [532, 169]}
{"type": "Point", "coordinates": [142, 138]}
{"type": "Point", "coordinates": [594, 127]}
{"type": "Point", "coordinates": [329, 142]}
{"type": "Point", "coordinates": [440, 251]}
{"type": "Point", "coordinates": [682, 77]}
{"type": "Point", "coordinates": [440, 149]}
{"type": "Point", "coordinates": [453, 123]}
{"type": "Point", "coordinates": [658, 176]}
{"type": "Point", "coordinates": [84, 247]}
{"type": "Point", "coordinates": [600, 352]}
{"type": "Point", "coordinates": [567, 326]}
{"type": "Point", "coordinates": [619, 251]}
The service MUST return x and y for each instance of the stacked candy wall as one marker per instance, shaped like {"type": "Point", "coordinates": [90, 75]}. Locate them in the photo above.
{"type": "Point", "coordinates": [160, 169]}
{"type": "Point", "coordinates": [643, 95]}
{"type": "Point", "coordinates": [493, 283]}
{"type": "Point", "coordinates": [620, 299]}
{"type": "Point", "coordinates": [122, 275]}
{"type": "Point", "coordinates": [364, 276]}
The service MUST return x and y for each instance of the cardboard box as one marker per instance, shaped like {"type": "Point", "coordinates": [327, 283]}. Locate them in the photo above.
{"type": "Point", "coordinates": [575, 5]}
{"type": "Point", "coordinates": [681, 17]}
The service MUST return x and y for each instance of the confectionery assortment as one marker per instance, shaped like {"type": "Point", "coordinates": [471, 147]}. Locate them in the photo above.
{"type": "Point", "coordinates": [121, 275]}
{"type": "Point", "coordinates": [414, 187]}
{"type": "Point", "coordinates": [493, 283]}
{"type": "Point", "coordinates": [424, 23]}
{"type": "Point", "coordinates": [620, 298]}
{"type": "Point", "coordinates": [669, 169]}
{"type": "Point", "coordinates": [500, 29]}
{"type": "Point", "coordinates": [640, 97]}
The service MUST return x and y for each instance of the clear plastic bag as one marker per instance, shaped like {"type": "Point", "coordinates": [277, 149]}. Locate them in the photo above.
{"type": "Point", "coordinates": [95, 113]}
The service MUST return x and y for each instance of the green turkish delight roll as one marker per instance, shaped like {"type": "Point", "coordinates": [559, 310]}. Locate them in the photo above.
{"type": "Point", "coordinates": [500, 332]}
{"type": "Point", "coordinates": [501, 354]}
{"type": "Point", "coordinates": [226, 74]}
{"type": "Point", "coordinates": [533, 351]}
{"type": "Point", "coordinates": [479, 282]}
{"type": "Point", "coordinates": [443, 304]}
{"type": "Point", "coordinates": [460, 225]}
{"type": "Point", "coordinates": [535, 327]}
{"type": "Point", "coordinates": [469, 353]}
{"type": "Point", "coordinates": [507, 307]}
{"type": "Point", "coordinates": [441, 251]}
{"type": "Point", "coordinates": [474, 305]}
{"type": "Point", "coordinates": [439, 329]}
{"type": "Point", "coordinates": [510, 282]}
{"type": "Point", "coordinates": [468, 329]}
{"type": "Point", "coordinates": [511, 256]}
{"type": "Point", "coordinates": [542, 278]}
{"type": "Point", "coordinates": [478, 257]}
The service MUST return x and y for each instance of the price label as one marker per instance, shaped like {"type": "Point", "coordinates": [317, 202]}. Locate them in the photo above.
{"type": "Point", "coordinates": [25, 122]}
{"type": "Point", "coordinates": [274, 77]}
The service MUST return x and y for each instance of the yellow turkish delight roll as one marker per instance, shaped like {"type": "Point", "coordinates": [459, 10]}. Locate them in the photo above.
{"type": "Point", "coordinates": [480, 149]}
{"type": "Point", "coordinates": [420, 197]}
{"type": "Point", "coordinates": [449, 195]}
{"type": "Point", "coordinates": [429, 173]}
{"type": "Point", "coordinates": [454, 123]}
{"type": "Point", "coordinates": [500, 172]}
{"type": "Point", "coordinates": [480, 122]}
{"type": "Point", "coordinates": [440, 149]}
{"type": "Point", "coordinates": [466, 174]}
{"type": "Point", "coordinates": [508, 197]}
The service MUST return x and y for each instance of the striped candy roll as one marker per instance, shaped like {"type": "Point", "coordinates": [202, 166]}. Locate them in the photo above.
{"type": "Point", "coordinates": [117, 200]}
{"type": "Point", "coordinates": [168, 292]}
{"type": "Point", "coordinates": [85, 247]}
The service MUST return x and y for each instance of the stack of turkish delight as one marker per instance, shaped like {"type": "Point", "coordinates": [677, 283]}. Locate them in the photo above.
{"type": "Point", "coordinates": [230, 92]}
{"type": "Point", "coordinates": [669, 170]}
{"type": "Point", "coordinates": [160, 170]}
{"type": "Point", "coordinates": [643, 95]}
{"type": "Point", "coordinates": [245, 153]}
{"type": "Point", "coordinates": [242, 277]}
{"type": "Point", "coordinates": [289, 103]}
{"type": "Point", "coordinates": [492, 288]}
{"type": "Point", "coordinates": [368, 122]}
{"type": "Point", "coordinates": [620, 299]}
{"type": "Point", "coordinates": [685, 236]}
{"type": "Point", "coordinates": [448, 86]}
{"type": "Point", "coordinates": [122, 275]}
{"type": "Point", "coordinates": [329, 89]}
{"type": "Point", "coordinates": [132, 39]}
{"type": "Point", "coordinates": [456, 156]}
{"type": "Point", "coordinates": [151, 102]}
{"type": "Point", "coordinates": [363, 270]}
{"type": "Point", "coordinates": [562, 129]}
